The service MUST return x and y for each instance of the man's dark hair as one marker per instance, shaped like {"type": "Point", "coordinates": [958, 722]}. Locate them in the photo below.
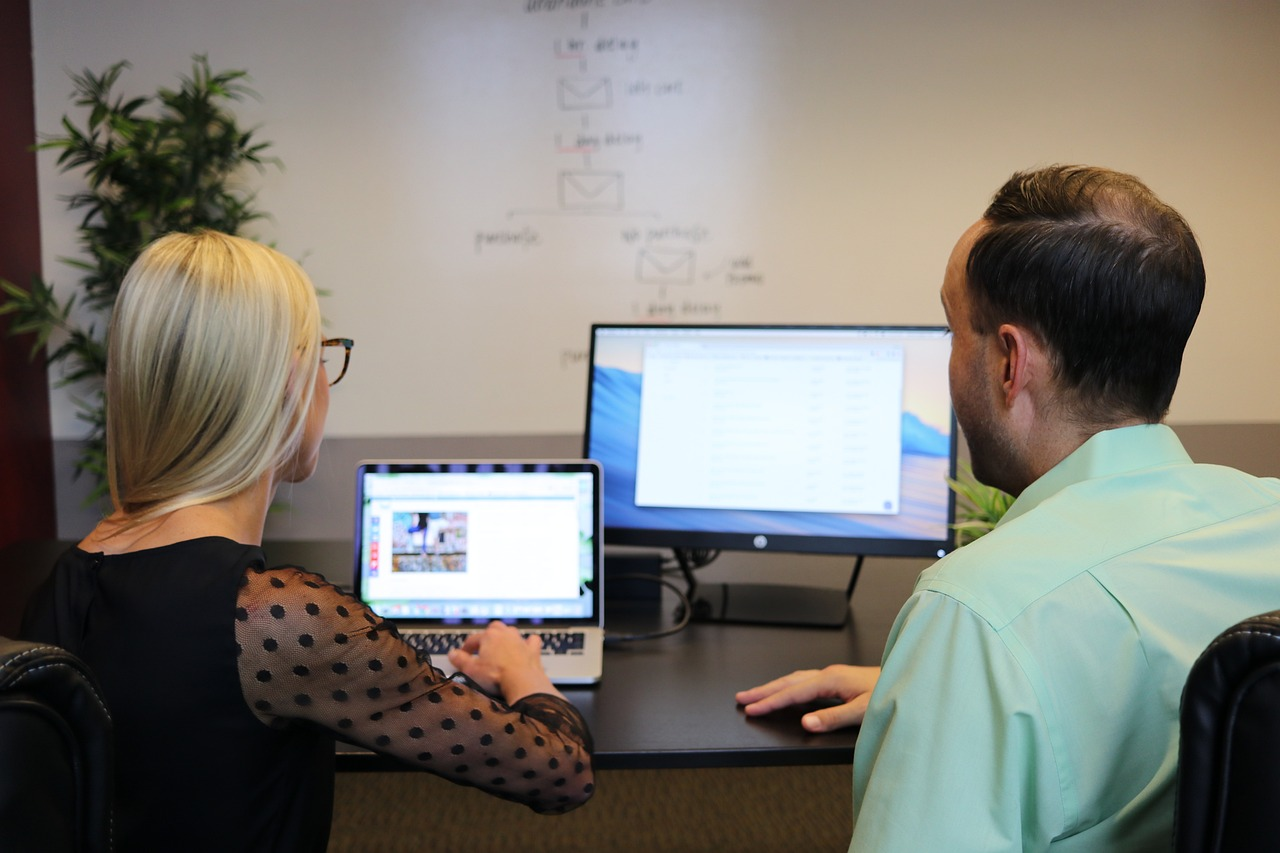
{"type": "Point", "coordinates": [1107, 276]}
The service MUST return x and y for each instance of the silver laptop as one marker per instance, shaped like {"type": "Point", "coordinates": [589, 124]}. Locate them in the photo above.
{"type": "Point", "coordinates": [444, 547]}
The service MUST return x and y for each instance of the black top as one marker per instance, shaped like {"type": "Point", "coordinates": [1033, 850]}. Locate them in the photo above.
{"type": "Point", "coordinates": [227, 682]}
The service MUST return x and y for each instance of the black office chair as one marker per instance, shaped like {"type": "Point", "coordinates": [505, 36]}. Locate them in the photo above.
{"type": "Point", "coordinates": [1229, 757]}
{"type": "Point", "coordinates": [55, 753]}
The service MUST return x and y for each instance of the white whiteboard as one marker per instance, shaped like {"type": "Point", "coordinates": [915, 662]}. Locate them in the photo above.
{"type": "Point", "coordinates": [474, 183]}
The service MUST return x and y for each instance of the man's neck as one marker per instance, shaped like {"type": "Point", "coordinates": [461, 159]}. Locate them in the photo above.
{"type": "Point", "coordinates": [1048, 446]}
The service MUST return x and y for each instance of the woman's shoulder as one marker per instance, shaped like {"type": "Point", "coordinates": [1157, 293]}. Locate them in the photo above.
{"type": "Point", "coordinates": [284, 585]}
{"type": "Point", "coordinates": [289, 576]}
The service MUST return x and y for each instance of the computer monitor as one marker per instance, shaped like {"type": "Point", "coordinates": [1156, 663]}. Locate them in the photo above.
{"type": "Point", "coordinates": [806, 439]}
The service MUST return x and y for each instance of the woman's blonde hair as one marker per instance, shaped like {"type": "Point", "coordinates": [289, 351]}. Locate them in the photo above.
{"type": "Point", "coordinates": [211, 368]}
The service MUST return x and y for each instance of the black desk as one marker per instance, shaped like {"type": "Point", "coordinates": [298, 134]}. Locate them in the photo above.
{"type": "Point", "coordinates": [663, 703]}
{"type": "Point", "coordinates": [668, 703]}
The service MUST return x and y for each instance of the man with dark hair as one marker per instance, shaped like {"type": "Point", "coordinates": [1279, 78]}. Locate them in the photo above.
{"type": "Point", "coordinates": [1030, 686]}
{"type": "Point", "coordinates": [1106, 274]}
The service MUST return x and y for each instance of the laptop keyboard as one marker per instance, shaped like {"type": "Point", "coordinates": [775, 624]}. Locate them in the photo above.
{"type": "Point", "coordinates": [553, 642]}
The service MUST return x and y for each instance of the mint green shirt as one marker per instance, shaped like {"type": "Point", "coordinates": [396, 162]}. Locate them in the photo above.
{"type": "Point", "coordinates": [1031, 684]}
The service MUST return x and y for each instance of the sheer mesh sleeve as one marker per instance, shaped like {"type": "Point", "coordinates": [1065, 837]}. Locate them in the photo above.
{"type": "Point", "coordinates": [310, 652]}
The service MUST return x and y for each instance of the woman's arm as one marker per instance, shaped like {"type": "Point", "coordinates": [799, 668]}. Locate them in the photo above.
{"type": "Point", "coordinates": [311, 652]}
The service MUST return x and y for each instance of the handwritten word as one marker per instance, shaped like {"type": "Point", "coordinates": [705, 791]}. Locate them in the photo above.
{"type": "Point", "coordinates": [644, 87]}
{"type": "Point", "coordinates": [669, 310]}
{"type": "Point", "coordinates": [653, 310]}
{"type": "Point", "coordinates": [700, 309]}
{"type": "Point", "coordinates": [741, 271]}
{"type": "Point", "coordinates": [617, 45]}
{"type": "Point", "coordinates": [570, 357]}
{"type": "Point", "coordinates": [609, 140]}
{"type": "Point", "coordinates": [523, 238]}
{"type": "Point", "coordinates": [694, 234]}
{"type": "Point", "coordinates": [557, 5]}
{"type": "Point", "coordinates": [553, 5]}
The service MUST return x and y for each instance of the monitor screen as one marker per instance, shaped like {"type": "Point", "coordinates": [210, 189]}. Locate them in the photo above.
{"type": "Point", "coordinates": [811, 439]}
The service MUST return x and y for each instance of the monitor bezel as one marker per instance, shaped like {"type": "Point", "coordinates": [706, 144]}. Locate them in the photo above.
{"type": "Point", "coordinates": [771, 543]}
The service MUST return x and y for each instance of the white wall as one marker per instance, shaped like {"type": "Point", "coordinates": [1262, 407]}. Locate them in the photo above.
{"type": "Point", "coordinates": [818, 158]}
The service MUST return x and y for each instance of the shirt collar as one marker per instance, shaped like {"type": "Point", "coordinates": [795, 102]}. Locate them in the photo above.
{"type": "Point", "coordinates": [1112, 451]}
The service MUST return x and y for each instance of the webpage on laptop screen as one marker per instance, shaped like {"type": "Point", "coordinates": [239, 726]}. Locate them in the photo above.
{"type": "Point", "coordinates": [477, 545]}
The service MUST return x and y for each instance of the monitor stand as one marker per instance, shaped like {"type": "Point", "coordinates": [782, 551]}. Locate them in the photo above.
{"type": "Point", "coordinates": [769, 604]}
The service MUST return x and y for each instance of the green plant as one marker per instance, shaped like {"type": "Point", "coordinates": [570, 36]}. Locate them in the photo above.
{"type": "Point", "coordinates": [978, 506]}
{"type": "Point", "coordinates": [154, 165]}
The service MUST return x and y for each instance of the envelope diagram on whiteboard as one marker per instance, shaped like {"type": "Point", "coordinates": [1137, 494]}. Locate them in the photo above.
{"type": "Point", "coordinates": [594, 93]}
{"type": "Point", "coordinates": [591, 190]}
{"type": "Point", "coordinates": [665, 266]}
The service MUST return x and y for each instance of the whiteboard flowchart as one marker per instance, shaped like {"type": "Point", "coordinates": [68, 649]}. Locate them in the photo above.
{"type": "Point", "coordinates": [663, 272]}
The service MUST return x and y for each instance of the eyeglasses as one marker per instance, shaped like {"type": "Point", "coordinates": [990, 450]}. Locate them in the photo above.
{"type": "Point", "coordinates": [329, 355]}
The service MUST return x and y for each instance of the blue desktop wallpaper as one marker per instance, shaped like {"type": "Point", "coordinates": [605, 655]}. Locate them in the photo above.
{"type": "Point", "coordinates": [614, 442]}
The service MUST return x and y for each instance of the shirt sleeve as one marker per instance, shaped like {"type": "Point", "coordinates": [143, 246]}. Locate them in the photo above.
{"type": "Point", "coordinates": [309, 652]}
{"type": "Point", "coordinates": [954, 753]}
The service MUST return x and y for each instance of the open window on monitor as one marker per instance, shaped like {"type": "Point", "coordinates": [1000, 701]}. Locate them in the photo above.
{"type": "Point", "coordinates": [802, 439]}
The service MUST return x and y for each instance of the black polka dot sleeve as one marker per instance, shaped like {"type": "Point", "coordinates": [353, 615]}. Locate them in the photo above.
{"type": "Point", "coordinates": [310, 652]}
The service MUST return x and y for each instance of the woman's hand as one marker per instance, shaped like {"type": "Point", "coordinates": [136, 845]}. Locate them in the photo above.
{"type": "Point", "coordinates": [500, 660]}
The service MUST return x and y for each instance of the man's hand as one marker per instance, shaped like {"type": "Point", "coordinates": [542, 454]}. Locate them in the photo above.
{"type": "Point", "coordinates": [850, 684]}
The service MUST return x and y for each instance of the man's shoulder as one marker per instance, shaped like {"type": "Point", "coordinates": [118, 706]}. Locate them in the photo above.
{"type": "Point", "coordinates": [1091, 523]}
{"type": "Point", "coordinates": [1000, 574]}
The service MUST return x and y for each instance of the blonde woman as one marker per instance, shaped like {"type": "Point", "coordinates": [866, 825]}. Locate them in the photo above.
{"type": "Point", "coordinates": [228, 680]}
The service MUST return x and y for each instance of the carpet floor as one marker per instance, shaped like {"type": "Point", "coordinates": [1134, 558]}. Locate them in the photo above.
{"type": "Point", "coordinates": [766, 809]}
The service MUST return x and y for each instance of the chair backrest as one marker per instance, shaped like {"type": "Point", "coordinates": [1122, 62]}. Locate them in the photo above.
{"type": "Point", "coordinates": [55, 753]}
{"type": "Point", "coordinates": [1229, 754]}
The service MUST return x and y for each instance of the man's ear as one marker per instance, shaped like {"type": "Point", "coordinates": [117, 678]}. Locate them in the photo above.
{"type": "Point", "coordinates": [1020, 357]}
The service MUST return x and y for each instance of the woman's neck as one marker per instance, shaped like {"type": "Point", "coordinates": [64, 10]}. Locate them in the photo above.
{"type": "Point", "coordinates": [240, 518]}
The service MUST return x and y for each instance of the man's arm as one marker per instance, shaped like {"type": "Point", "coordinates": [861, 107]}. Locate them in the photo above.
{"type": "Point", "coordinates": [955, 752]}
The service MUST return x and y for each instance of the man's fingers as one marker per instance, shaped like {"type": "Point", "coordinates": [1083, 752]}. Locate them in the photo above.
{"type": "Point", "coordinates": [755, 694]}
{"type": "Point", "coordinates": [796, 694]}
{"type": "Point", "coordinates": [837, 716]}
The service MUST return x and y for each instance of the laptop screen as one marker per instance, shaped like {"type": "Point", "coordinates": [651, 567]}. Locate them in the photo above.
{"type": "Point", "coordinates": [463, 542]}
